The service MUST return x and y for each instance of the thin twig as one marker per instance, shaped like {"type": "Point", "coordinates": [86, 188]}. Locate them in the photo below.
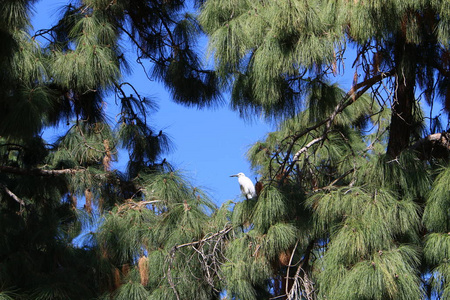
{"type": "Point", "coordinates": [221, 232]}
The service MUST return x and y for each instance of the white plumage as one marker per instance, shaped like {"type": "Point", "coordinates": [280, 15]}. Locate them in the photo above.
{"type": "Point", "coordinates": [246, 184]}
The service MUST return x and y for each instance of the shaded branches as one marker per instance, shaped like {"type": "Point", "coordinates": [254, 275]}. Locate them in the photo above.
{"type": "Point", "coordinates": [353, 95]}
{"type": "Point", "coordinates": [13, 196]}
{"type": "Point", "coordinates": [302, 283]}
{"type": "Point", "coordinates": [39, 171]}
{"type": "Point", "coordinates": [210, 252]}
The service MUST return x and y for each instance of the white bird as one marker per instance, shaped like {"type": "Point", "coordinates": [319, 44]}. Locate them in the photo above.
{"type": "Point", "coordinates": [246, 184]}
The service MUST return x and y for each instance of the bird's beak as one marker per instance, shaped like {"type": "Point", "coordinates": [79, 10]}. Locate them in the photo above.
{"type": "Point", "coordinates": [233, 176]}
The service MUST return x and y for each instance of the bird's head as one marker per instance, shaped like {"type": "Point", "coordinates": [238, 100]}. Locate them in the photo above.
{"type": "Point", "coordinates": [238, 175]}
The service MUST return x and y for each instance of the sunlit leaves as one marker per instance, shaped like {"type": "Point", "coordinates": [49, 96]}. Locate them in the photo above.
{"type": "Point", "coordinates": [443, 9]}
{"type": "Point", "coordinates": [386, 274]}
{"type": "Point", "coordinates": [437, 248]}
{"type": "Point", "coordinates": [94, 60]}
{"type": "Point", "coordinates": [132, 290]}
{"type": "Point", "coordinates": [23, 94]}
{"type": "Point", "coordinates": [280, 237]}
{"type": "Point", "coordinates": [268, 43]}
{"type": "Point", "coordinates": [5, 295]}
{"type": "Point", "coordinates": [14, 14]}
{"type": "Point", "coordinates": [85, 143]}
{"type": "Point", "coordinates": [30, 63]}
{"type": "Point", "coordinates": [436, 214]}
{"type": "Point", "coordinates": [247, 267]}
{"type": "Point", "coordinates": [270, 209]}
{"type": "Point", "coordinates": [173, 213]}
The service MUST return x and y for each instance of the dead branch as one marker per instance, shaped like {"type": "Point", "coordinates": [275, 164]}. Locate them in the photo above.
{"type": "Point", "coordinates": [303, 285]}
{"type": "Point", "coordinates": [135, 205]}
{"type": "Point", "coordinates": [296, 157]}
{"type": "Point", "coordinates": [224, 231]}
{"type": "Point", "coordinates": [208, 259]}
{"type": "Point", "coordinates": [289, 266]}
{"type": "Point", "coordinates": [169, 275]}
{"type": "Point", "coordinates": [440, 138]}
{"type": "Point", "coordinates": [434, 145]}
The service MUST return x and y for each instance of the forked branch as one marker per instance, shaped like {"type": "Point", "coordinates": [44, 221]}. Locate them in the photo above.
{"type": "Point", "coordinates": [349, 98]}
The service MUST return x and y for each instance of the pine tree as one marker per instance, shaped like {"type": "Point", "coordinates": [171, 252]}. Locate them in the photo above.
{"type": "Point", "coordinates": [354, 202]}
{"type": "Point", "coordinates": [135, 222]}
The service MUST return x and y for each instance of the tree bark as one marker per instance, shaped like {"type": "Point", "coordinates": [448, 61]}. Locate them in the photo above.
{"type": "Point", "coordinates": [402, 108]}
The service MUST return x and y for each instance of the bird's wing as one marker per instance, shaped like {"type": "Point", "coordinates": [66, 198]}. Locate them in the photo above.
{"type": "Point", "coordinates": [246, 185]}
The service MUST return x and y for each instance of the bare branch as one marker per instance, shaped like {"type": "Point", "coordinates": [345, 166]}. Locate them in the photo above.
{"type": "Point", "coordinates": [12, 195]}
{"type": "Point", "coordinates": [306, 287]}
{"type": "Point", "coordinates": [441, 138]}
{"type": "Point", "coordinates": [39, 172]}
{"type": "Point", "coordinates": [169, 275]}
{"type": "Point", "coordinates": [208, 259]}
{"type": "Point", "coordinates": [289, 267]}
{"type": "Point", "coordinates": [303, 150]}
{"type": "Point", "coordinates": [221, 232]}
{"type": "Point", "coordinates": [350, 97]}
{"type": "Point", "coordinates": [135, 205]}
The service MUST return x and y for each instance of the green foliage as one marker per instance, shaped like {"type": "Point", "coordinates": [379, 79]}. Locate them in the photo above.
{"type": "Point", "coordinates": [53, 194]}
{"type": "Point", "coordinates": [5, 296]}
{"type": "Point", "coordinates": [270, 209]}
{"type": "Point", "coordinates": [263, 44]}
{"type": "Point", "coordinates": [336, 217]}
{"type": "Point", "coordinates": [385, 275]}
{"type": "Point", "coordinates": [280, 237]}
{"type": "Point", "coordinates": [93, 62]}
{"type": "Point", "coordinates": [436, 248]}
{"type": "Point", "coordinates": [436, 215]}
{"type": "Point", "coordinates": [353, 217]}
{"type": "Point", "coordinates": [131, 290]}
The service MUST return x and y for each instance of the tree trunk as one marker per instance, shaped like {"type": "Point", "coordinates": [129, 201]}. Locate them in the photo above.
{"type": "Point", "coordinates": [402, 108]}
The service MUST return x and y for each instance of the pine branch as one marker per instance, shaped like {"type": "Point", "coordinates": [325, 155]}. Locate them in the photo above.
{"type": "Point", "coordinates": [304, 149]}
{"type": "Point", "coordinates": [221, 232]}
{"type": "Point", "coordinates": [328, 187]}
{"type": "Point", "coordinates": [138, 45]}
{"type": "Point", "coordinates": [435, 145]}
{"type": "Point", "coordinates": [12, 195]}
{"type": "Point", "coordinates": [204, 259]}
{"type": "Point", "coordinates": [169, 275]}
{"type": "Point", "coordinates": [440, 138]}
{"type": "Point", "coordinates": [38, 172]}
{"type": "Point", "coordinates": [135, 205]}
{"type": "Point", "coordinates": [350, 97]}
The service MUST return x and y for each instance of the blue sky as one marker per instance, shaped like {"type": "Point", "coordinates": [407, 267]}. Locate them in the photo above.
{"type": "Point", "coordinates": [209, 144]}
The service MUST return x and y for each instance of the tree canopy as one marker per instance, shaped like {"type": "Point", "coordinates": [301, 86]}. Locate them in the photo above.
{"type": "Point", "coordinates": [364, 165]}
{"type": "Point", "coordinates": [352, 197]}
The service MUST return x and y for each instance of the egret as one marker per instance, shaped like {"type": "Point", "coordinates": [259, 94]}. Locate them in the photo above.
{"type": "Point", "coordinates": [246, 184]}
